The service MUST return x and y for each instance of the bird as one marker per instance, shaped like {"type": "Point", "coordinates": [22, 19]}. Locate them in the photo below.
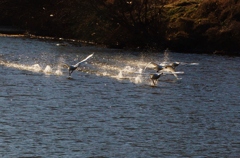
{"type": "Point", "coordinates": [154, 77]}
{"type": "Point", "coordinates": [171, 70]}
{"type": "Point", "coordinates": [71, 68]}
{"type": "Point", "coordinates": [157, 66]}
{"type": "Point", "coordinates": [173, 65]}
{"type": "Point", "coordinates": [170, 67]}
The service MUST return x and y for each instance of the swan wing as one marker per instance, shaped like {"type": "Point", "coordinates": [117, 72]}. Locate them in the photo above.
{"type": "Point", "coordinates": [76, 65]}
{"type": "Point", "coordinates": [154, 64]}
{"type": "Point", "coordinates": [171, 70]}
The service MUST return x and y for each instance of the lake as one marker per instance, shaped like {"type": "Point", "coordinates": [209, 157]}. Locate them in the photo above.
{"type": "Point", "coordinates": [110, 108]}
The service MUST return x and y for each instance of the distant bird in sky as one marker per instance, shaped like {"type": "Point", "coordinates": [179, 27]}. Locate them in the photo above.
{"type": "Point", "coordinates": [71, 68]}
{"type": "Point", "coordinates": [154, 77]}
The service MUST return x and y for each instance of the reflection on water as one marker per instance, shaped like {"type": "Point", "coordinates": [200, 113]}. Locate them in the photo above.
{"type": "Point", "coordinates": [110, 109]}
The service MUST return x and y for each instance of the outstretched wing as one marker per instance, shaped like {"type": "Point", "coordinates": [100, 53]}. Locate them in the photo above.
{"type": "Point", "coordinates": [157, 66]}
{"type": "Point", "coordinates": [154, 64]}
{"type": "Point", "coordinates": [76, 65]}
{"type": "Point", "coordinates": [170, 69]}
{"type": "Point", "coordinates": [65, 65]}
{"type": "Point", "coordinates": [146, 66]}
{"type": "Point", "coordinates": [173, 65]}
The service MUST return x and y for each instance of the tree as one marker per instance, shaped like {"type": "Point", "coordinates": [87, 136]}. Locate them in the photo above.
{"type": "Point", "coordinates": [143, 18]}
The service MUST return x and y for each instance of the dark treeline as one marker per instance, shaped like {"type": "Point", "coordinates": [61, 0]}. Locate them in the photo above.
{"type": "Point", "coordinates": [183, 25]}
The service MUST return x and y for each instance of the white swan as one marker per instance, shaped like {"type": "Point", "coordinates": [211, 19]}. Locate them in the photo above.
{"type": "Point", "coordinates": [154, 77]}
{"type": "Point", "coordinates": [169, 67]}
{"type": "Point", "coordinates": [71, 68]}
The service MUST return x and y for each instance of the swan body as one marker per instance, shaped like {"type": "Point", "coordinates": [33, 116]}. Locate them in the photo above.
{"type": "Point", "coordinates": [157, 66]}
{"type": "Point", "coordinates": [154, 77]}
{"type": "Point", "coordinates": [173, 65]}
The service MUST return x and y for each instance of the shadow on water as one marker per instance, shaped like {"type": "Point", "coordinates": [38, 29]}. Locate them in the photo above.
{"type": "Point", "coordinates": [110, 108]}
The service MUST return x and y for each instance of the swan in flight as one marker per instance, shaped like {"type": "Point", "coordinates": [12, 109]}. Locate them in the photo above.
{"type": "Point", "coordinates": [154, 77]}
{"type": "Point", "coordinates": [157, 66]}
{"type": "Point", "coordinates": [170, 67]}
{"type": "Point", "coordinates": [71, 68]}
{"type": "Point", "coordinates": [173, 65]}
{"type": "Point", "coordinates": [160, 67]}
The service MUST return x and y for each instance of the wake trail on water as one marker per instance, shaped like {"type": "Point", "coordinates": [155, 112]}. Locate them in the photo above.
{"type": "Point", "coordinates": [131, 71]}
{"type": "Point", "coordinates": [48, 70]}
{"type": "Point", "coordinates": [119, 68]}
{"type": "Point", "coordinates": [136, 71]}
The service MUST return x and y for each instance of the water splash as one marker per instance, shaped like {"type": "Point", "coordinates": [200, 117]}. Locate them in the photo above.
{"type": "Point", "coordinates": [59, 71]}
{"type": "Point", "coordinates": [131, 70]}
{"type": "Point", "coordinates": [140, 70]}
{"type": "Point", "coordinates": [114, 67]}
{"type": "Point", "coordinates": [166, 56]}
{"type": "Point", "coordinates": [128, 69]}
{"type": "Point", "coordinates": [47, 70]}
{"type": "Point", "coordinates": [105, 74]}
{"type": "Point", "coordinates": [138, 79]}
{"type": "Point", "coordinates": [33, 68]}
{"type": "Point", "coordinates": [120, 74]}
{"type": "Point", "coordinates": [193, 63]}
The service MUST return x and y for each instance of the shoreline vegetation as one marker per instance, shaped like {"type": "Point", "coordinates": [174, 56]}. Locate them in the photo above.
{"type": "Point", "coordinates": [197, 26]}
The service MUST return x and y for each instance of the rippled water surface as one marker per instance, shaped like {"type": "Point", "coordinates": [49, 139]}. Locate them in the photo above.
{"type": "Point", "coordinates": [110, 108]}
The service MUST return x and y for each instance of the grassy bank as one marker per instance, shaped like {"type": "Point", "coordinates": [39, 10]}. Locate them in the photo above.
{"type": "Point", "coordinates": [181, 25]}
{"type": "Point", "coordinates": [212, 25]}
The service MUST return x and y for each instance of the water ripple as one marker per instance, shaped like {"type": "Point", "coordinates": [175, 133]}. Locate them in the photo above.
{"type": "Point", "coordinates": [110, 109]}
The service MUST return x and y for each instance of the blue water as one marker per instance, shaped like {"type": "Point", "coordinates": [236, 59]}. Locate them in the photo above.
{"type": "Point", "coordinates": [109, 109]}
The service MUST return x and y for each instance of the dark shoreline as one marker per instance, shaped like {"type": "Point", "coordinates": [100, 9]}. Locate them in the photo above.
{"type": "Point", "coordinates": [193, 26]}
{"type": "Point", "coordinates": [10, 31]}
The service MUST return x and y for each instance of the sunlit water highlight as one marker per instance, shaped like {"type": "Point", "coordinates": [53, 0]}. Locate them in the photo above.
{"type": "Point", "coordinates": [33, 68]}
{"type": "Point", "coordinates": [134, 71]}
{"type": "Point", "coordinates": [110, 108]}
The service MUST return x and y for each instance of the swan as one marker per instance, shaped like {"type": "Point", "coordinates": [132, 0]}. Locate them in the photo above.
{"type": "Point", "coordinates": [157, 67]}
{"type": "Point", "coordinates": [154, 77]}
{"type": "Point", "coordinates": [173, 65]}
{"type": "Point", "coordinates": [71, 68]}
{"type": "Point", "coordinates": [170, 67]}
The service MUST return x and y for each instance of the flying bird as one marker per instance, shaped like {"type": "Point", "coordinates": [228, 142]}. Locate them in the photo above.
{"type": "Point", "coordinates": [171, 70]}
{"type": "Point", "coordinates": [170, 67]}
{"type": "Point", "coordinates": [157, 66]}
{"type": "Point", "coordinates": [160, 67]}
{"type": "Point", "coordinates": [154, 77]}
{"type": "Point", "coordinates": [173, 65]}
{"type": "Point", "coordinates": [71, 68]}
